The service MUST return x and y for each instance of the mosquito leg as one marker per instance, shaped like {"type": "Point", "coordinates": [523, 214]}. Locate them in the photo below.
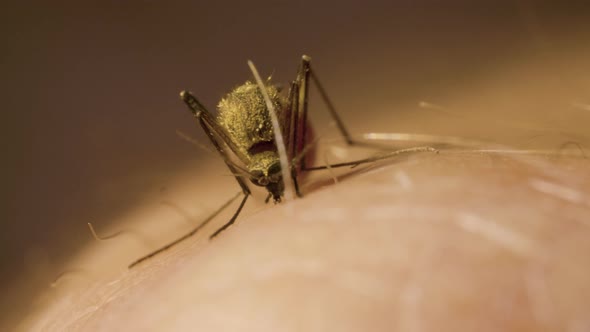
{"type": "Point", "coordinates": [297, 121]}
{"type": "Point", "coordinates": [305, 73]}
{"type": "Point", "coordinates": [341, 127]}
{"type": "Point", "coordinates": [293, 127]}
{"type": "Point", "coordinates": [233, 218]}
{"type": "Point", "coordinates": [191, 233]}
{"type": "Point", "coordinates": [373, 159]}
{"type": "Point", "coordinates": [332, 109]}
{"type": "Point", "coordinates": [302, 96]}
{"type": "Point", "coordinates": [299, 103]}
{"type": "Point", "coordinates": [215, 133]}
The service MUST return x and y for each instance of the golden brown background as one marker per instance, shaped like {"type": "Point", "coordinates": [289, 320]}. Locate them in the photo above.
{"type": "Point", "coordinates": [90, 93]}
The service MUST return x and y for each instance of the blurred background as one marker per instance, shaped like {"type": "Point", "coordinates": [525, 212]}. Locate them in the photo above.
{"type": "Point", "coordinates": [91, 108]}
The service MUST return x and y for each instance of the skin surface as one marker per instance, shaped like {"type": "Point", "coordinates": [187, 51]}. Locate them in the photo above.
{"type": "Point", "coordinates": [428, 242]}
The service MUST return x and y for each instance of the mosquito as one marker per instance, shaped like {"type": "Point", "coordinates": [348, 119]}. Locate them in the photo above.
{"type": "Point", "coordinates": [252, 147]}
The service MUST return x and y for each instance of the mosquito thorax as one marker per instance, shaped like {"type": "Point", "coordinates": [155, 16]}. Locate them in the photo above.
{"type": "Point", "coordinates": [244, 116]}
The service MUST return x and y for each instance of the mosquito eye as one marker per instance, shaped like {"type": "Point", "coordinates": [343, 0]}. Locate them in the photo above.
{"type": "Point", "coordinates": [255, 176]}
{"type": "Point", "coordinates": [275, 169]}
{"type": "Point", "coordinates": [275, 177]}
{"type": "Point", "coordinates": [263, 181]}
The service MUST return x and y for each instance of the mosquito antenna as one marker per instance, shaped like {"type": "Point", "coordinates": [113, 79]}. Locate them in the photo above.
{"type": "Point", "coordinates": [240, 168]}
{"type": "Point", "coordinates": [193, 141]}
{"type": "Point", "coordinates": [285, 168]}
{"type": "Point", "coordinates": [232, 174]}
{"type": "Point", "coordinates": [355, 163]}
{"type": "Point", "coordinates": [244, 170]}
{"type": "Point", "coordinates": [191, 233]}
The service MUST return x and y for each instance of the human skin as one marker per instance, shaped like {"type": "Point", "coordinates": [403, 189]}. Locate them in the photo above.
{"type": "Point", "coordinates": [428, 242]}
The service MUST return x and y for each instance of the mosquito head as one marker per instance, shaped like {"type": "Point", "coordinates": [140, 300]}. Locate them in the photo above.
{"type": "Point", "coordinates": [269, 175]}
